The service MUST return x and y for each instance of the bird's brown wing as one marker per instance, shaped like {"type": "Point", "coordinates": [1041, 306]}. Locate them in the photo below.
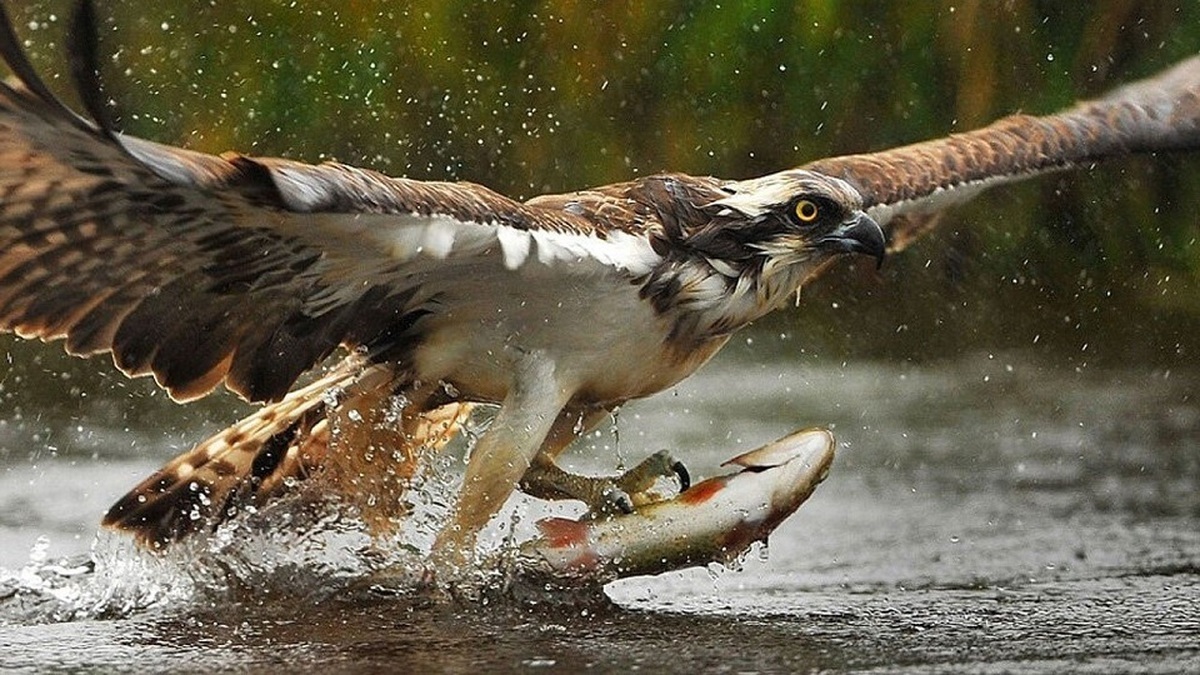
{"type": "Point", "coordinates": [203, 270]}
{"type": "Point", "coordinates": [904, 186]}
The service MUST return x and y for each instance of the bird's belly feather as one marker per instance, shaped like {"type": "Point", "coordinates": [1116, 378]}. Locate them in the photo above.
{"type": "Point", "coordinates": [607, 344]}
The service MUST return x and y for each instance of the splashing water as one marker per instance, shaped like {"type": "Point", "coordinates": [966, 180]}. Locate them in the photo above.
{"type": "Point", "coordinates": [115, 580]}
{"type": "Point", "coordinates": [305, 544]}
{"type": "Point", "coordinates": [298, 547]}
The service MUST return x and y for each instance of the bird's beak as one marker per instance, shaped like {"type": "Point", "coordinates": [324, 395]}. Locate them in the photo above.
{"type": "Point", "coordinates": [858, 235]}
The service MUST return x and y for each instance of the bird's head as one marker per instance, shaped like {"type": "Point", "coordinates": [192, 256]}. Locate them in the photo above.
{"type": "Point", "coordinates": [735, 250]}
{"type": "Point", "coordinates": [794, 218]}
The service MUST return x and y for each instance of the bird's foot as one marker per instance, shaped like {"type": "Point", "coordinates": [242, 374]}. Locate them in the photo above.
{"type": "Point", "coordinates": [639, 482]}
{"type": "Point", "coordinates": [607, 495]}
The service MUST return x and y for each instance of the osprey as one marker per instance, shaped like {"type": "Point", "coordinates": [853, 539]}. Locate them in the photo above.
{"type": "Point", "coordinates": [248, 272]}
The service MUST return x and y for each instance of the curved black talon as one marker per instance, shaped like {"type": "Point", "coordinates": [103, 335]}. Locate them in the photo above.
{"type": "Point", "coordinates": [616, 500]}
{"type": "Point", "coordinates": [681, 472]}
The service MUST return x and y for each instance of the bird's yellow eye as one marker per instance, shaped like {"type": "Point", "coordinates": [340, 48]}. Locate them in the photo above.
{"type": "Point", "coordinates": [806, 210]}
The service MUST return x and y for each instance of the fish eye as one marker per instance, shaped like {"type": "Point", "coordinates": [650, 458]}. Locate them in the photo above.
{"type": "Point", "coordinates": [807, 210]}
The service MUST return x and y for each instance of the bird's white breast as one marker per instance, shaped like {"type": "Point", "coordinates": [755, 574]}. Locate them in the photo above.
{"type": "Point", "coordinates": [599, 334]}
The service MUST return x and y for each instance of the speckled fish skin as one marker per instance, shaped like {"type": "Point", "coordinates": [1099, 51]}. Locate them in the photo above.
{"type": "Point", "coordinates": [714, 521]}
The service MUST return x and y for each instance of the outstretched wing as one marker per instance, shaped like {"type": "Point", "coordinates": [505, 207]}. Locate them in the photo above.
{"type": "Point", "coordinates": [203, 270]}
{"type": "Point", "coordinates": [910, 184]}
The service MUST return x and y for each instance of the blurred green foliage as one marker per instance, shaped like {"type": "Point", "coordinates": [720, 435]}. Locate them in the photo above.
{"type": "Point", "coordinates": [529, 97]}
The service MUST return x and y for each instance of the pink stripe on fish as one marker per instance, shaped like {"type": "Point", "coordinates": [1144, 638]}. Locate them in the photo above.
{"type": "Point", "coordinates": [563, 532]}
{"type": "Point", "coordinates": [702, 492]}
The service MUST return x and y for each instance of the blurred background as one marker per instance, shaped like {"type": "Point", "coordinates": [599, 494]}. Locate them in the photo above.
{"type": "Point", "coordinates": [1080, 269]}
{"type": "Point", "coordinates": [1016, 395]}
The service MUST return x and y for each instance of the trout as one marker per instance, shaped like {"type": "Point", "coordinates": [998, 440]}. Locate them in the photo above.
{"type": "Point", "coordinates": [713, 521]}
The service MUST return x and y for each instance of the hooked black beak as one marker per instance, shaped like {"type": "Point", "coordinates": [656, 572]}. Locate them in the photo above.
{"type": "Point", "coordinates": [860, 235]}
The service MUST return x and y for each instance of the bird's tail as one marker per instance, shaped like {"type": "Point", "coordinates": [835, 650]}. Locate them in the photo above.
{"type": "Point", "coordinates": [317, 429]}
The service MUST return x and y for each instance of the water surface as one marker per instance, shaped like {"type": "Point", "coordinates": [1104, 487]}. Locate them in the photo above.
{"type": "Point", "coordinates": [989, 513]}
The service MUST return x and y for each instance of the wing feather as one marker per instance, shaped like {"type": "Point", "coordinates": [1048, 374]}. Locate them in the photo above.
{"type": "Point", "coordinates": [202, 270]}
{"type": "Point", "coordinates": [1160, 113]}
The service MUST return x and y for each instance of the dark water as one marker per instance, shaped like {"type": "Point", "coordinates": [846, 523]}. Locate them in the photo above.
{"type": "Point", "coordinates": [989, 514]}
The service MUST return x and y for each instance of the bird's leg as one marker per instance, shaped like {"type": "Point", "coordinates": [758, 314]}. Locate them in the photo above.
{"type": "Point", "coordinates": [500, 457]}
{"type": "Point", "coordinates": [602, 494]}
{"type": "Point", "coordinates": [376, 444]}
{"type": "Point", "coordinates": [370, 458]}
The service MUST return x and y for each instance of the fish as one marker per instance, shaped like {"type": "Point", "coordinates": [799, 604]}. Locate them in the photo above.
{"type": "Point", "coordinates": [713, 521]}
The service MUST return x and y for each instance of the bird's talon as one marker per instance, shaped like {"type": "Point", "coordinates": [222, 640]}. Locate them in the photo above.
{"type": "Point", "coordinates": [641, 478]}
{"type": "Point", "coordinates": [614, 500]}
{"type": "Point", "coordinates": [682, 475]}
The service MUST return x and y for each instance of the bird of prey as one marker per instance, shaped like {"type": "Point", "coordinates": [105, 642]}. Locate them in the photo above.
{"type": "Point", "coordinates": [248, 272]}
